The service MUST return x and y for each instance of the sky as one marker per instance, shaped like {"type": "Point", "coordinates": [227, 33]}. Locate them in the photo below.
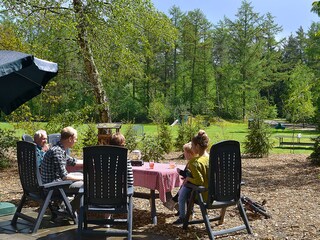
{"type": "Point", "coordinates": [290, 14]}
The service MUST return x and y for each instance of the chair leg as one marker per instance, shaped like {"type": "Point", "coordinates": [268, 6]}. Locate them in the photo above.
{"type": "Point", "coordinates": [43, 208]}
{"type": "Point", "coordinates": [130, 207]}
{"type": "Point", "coordinates": [80, 220]}
{"type": "Point", "coordinates": [85, 219]}
{"type": "Point", "coordinates": [18, 210]}
{"type": "Point", "coordinates": [83, 215]}
{"type": "Point", "coordinates": [68, 206]}
{"type": "Point", "coordinates": [222, 214]}
{"type": "Point", "coordinates": [205, 217]}
{"type": "Point", "coordinates": [244, 216]}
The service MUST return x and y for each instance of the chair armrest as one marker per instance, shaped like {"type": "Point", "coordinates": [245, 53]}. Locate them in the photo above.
{"type": "Point", "coordinates": [57, 184]}
{"type": "Point", "coordinates": [196, 187]}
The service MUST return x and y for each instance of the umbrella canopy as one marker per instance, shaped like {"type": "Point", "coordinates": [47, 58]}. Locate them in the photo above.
{"type": "Point", "coordinates": [22, 77]}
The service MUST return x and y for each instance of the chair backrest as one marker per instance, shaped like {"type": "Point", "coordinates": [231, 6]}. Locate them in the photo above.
{"type": "Point", "coordinates": [105, 175]}
{"type": "Point", "coordinates": [54, 138]}
{"type": "Point", "coordinates": [27, 166]}
{"type": "Point", "coordinates": [224, 172]}
{"type": "Point", "coordinates": [27, 138]}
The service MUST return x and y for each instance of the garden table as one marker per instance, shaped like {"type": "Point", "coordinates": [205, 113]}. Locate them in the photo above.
{"type": "Point", "coordinates": [161, 178]}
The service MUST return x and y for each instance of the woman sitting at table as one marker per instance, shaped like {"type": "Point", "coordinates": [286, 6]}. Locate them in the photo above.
{"type": "Point", "coordinates": [198, 168]}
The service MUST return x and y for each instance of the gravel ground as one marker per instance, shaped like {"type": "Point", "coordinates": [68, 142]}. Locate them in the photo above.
{"type": "Point", "coordinates": [288, 183]}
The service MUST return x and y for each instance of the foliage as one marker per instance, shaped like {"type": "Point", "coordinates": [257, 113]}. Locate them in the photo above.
{"type": "Point", "coordinates": [90, 135]}
{"type": "Point", "coordinates": [261, 109]}
{"type": "Point", "coordinates": [131, 137]}
{"type": "Point", "coordinates": [100, 43]}
{"type": "Point", "coordinates": [316, 7]}
{"type": "Point", "coordinates": [151, 149]}
{"type": "Point", "coordinates": [76, 119]}
{"type": "Point", "coordinates": [299, 104]}
{"type": "Point", "coordinates": [22, 118]}
{"type": "Point", "coordinates": [124, 107]}
{"type": "Point", "coordinates": [186, 132]}
{"type": "Point", "coordinates": [248, 61]}
{"type": "Point", "coordinates": [257, 143]}
{"type": "Point", "coordinates": [59, 121]}
{"type": "Point", "coordinates": [315, 155]}
{"type": "Point", "coordinates": [158, 112]}
{"type": "Point", "coordinates": [71, 118]}
{"type": "Point", "coordinates": [165, 137]}
{"type": "Point", "coordinates": [9, 37]}
{"type": "Point", "coordinates": [7, 146]}
{"type": "Point", "coordinates": [181, 61]}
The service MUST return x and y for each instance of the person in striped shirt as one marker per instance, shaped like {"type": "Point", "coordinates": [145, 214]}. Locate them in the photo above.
{"type": "Point", "coordinates": [118, 139]}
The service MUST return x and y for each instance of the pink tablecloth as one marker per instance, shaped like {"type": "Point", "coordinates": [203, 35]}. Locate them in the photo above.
{"type": "Point", "coordinates": [76, 168]}
{"type": "Point", "coordinates": [161, 178]}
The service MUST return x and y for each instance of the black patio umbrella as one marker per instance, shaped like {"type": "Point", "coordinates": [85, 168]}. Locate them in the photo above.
{"type": "Point", "coordinates": [22, 77]}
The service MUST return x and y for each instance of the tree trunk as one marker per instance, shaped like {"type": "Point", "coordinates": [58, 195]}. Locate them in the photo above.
{"type": "Point", "coordinates": [90, 67]}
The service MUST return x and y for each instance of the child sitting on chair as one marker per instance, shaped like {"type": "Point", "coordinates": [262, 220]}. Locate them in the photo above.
{"type": "Point", "coordinates": [188, 154]}
{"type": "Point", "coordinates": [198, 167]}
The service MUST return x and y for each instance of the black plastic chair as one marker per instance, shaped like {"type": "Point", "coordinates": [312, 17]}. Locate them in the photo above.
{"type": "Point", "coordinates": [27, 138]}
{"type": "Point", "coordinates": [33, 189]}
{"type": "Point", "coordinates": [53, 138]}
{"type": "Point", "coordinates": [106, 191]}
{"type": "Point", "coordinates": [223, 190]}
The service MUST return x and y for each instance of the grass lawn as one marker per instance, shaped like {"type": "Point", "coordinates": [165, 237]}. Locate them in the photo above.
{"type": "Point", "coordinates": [223, 130]}
{"type": "Point", "coordinates": [237, 131]}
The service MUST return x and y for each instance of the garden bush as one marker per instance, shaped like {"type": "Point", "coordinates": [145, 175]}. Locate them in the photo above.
{"type": "Point", "coordinates": [186, 132]}
{"type": "Point", "coordinates": [151, 149]}
{"type": "Point", "coordinates": [7, 147]}
{"type": "Point", "coordinates": [315, 155]}
{"type": "Point", "coordinates": [165, 137]}
{"type": "Point", "coordinates": [131, 137]}
{"type": "Point", "coordinates": [258, 143]}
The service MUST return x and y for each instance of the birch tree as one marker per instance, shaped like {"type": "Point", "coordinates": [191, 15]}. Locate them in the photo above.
{"type": "Point", "coordinates": [102, 31]}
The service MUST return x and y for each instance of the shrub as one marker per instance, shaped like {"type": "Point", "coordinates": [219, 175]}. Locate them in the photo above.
{"type": "Point", "coordinates": [59, 121]}
{"type": "Point", "coordinates": [131, 137]}
{"type": "Point", "coordinates": [158, 112]}
{"type": "Point", "coordinates": [151, 149]}
{"type": "Point", "coordinates": [23, 119]}
{"type": "Point", "coordinates": [76, 119]}
{"type": "Point", "coordinates": [7, 144]}
{"type": "Point", "coordinates": [257, 142]}
{"type": "Point", "coordinates": [165, 138]}
{"type": "Point", "coordinates": [186, 132]}
{"type": "Point", "coordinates": [315, 155]}
{"type": "Point", "coordinates": [90, 136]}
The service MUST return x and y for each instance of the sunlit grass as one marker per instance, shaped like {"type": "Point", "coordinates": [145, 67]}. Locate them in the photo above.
{"type": "Point", "coordinates": [218, 131]}
{"type": "Point", "coordinates": [225, 130]}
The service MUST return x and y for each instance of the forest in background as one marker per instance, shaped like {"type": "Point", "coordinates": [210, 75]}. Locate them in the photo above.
{"type": "Point", "coordinates": [137, 64]}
